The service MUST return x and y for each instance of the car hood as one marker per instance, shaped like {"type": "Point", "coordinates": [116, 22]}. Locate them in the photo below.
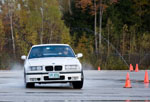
{"type": "Point", "coordinates": [53, 61]}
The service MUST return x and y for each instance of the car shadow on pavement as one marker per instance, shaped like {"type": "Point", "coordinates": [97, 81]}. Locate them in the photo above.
{"type": "Point", "coordinates": [53, 86]}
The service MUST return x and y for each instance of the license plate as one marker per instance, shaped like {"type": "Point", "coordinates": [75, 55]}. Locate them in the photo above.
{"type": "Point", "coordinates": [54, 75]}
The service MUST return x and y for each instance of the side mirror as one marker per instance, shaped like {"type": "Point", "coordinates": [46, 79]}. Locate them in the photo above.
{"type": "Point", "coordinates": [23, 57]}
{"type": "Point", "coordinates": [79, 55]}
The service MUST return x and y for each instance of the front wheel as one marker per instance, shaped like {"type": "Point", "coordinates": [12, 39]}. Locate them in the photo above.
{"type": "Point", "coordinates": [78, 84]}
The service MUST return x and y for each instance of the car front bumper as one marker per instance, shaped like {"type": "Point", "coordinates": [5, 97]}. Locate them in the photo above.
{"type": "Point", "coordinates": [44, 77]}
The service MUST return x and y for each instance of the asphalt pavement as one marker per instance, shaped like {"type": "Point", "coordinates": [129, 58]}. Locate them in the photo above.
{"type": "Point", "coordinates": [98, 86]}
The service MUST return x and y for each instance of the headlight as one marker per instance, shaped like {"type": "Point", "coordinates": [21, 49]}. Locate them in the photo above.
{"type": "Point", "coordinates": [35, 68]}
{"type": "Point", "coordinates": [72, 67]}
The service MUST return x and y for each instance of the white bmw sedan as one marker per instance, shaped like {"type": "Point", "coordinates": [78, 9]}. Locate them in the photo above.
{"type": "Point", "coordinates": [52, 63]}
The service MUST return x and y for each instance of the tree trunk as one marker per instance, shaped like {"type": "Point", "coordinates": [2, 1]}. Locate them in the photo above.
{"type": "Point", "coordinates": [95, 23]}
{"type": "Point", "coordinates": [100, 23]}
{"type": "Point", "coordinates": [41, 36]}
{"type": "Point", "coordinates": [123, 49]}
{"type": "Point", "coordinates": [108, 39]}
{"type": "Point", "coordinates": [130, 47]}
{"type": "Point", "coordinates": [69, 4]}
{"type": "Point", "coordinates": [50, 38]}
{"type": "Point", "coordinates": [12, 31]}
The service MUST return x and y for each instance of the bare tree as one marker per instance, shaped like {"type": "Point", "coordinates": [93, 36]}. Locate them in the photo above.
{"type": "Point", "coordinates": [42, 32]}
{"type": "Point", "coordinates": [95, 23]}
{"type": "Point", "coordinates": [69, 4]}
{"type": "Point", "coordinates": [100, 22]}
{"type": "Point", "coordinates": [65, 5]}
{"type": "Point", "coordinates": [11, 5]}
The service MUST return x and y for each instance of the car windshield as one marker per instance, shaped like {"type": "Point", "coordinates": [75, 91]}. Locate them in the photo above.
{"type": "Point", "coordinates": [51, 51]}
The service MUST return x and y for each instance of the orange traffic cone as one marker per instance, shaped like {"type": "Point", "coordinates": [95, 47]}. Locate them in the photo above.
{"type": "Point", "coordinates": [99, 68]}
{"type": "Point", "coordinates": [137, 68]}
{"type": "Point", "coordinates": [131, 68]}
{"type": "Point", "coordinates": [127, 84]}
{"type": "Point", "coordinates": [146, 80]}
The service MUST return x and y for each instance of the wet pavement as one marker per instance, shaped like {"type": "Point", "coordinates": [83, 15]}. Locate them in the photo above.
{"type": "Point", "coordinates": [98, 86]}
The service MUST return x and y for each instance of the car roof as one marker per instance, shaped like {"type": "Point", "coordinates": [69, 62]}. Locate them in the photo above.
{"type": "Point", "coordinates": [50, 45]}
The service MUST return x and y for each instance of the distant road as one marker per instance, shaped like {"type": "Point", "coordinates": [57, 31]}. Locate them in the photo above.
{"type": "Point", "coordinates": [98, 85]}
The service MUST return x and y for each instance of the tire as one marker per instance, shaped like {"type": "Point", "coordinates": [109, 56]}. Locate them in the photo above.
{"type": "Point", "coordinates": [78, 84]}
{"type": "Point", "coordinates": [30, 85]}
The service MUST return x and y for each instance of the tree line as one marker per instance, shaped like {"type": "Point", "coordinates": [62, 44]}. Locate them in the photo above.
{"type": "Point", "coordinates": [24, 23]}
{"type": "Point", "coordinates": [110, 33]}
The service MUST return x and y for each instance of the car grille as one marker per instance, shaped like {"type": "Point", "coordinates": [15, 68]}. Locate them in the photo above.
{"type": "Point", "coordinates": [47, 78]}
{"type": "Point", "coordinates": [49, 68]}
{"type": "Point", "coordinates": [52, 68]}
{"type": "Point", "coordinates": [58, 68]}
